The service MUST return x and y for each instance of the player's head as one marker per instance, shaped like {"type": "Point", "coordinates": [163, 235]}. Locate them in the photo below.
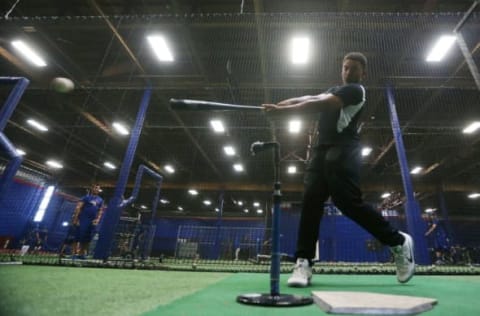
{"type": "Point", "coordinates": [354, 67]}
{"type": "Point", "coordinates": [95, 189]}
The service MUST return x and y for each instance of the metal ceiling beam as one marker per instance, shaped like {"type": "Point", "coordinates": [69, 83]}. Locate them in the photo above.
{"type": "Point", "coordinates": [287, 187]}
{"type": "Point", "coordinates": [132, 56]}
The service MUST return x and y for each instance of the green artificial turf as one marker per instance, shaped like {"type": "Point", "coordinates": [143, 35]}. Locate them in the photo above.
{"type": "Point", "coordinates": [457, 295]}
{"type": "Point", "coordinates": [40, 290]}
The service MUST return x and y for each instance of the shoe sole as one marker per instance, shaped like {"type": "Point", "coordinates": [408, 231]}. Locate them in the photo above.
{"type": "Point", "coordinates": [295, 284]}
{"type": "Point", "coordinates": [412, 251]}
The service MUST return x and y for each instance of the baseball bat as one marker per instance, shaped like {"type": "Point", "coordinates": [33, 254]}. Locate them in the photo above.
{"type": "Point", "coordinates": [199, 105]}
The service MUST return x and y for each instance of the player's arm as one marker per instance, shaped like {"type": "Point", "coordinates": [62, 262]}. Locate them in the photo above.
{"type": "Point", "coordinates": [76, 212]}
{"type": "Point", "coordinates": [99, 215]}
{"type": "Point", "coordinates": [292, 101]}
{"type": "Point", "coordinates": [313, 104]}
{"type": "Point", "coordinates": [431, 229]}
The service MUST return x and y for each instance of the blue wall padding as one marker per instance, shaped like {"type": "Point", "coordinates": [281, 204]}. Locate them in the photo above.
{"type": "Point", "coordinates": [17, 207]}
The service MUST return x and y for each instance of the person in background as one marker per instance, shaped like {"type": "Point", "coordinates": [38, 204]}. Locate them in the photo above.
{"type": "Point", "coordinates": [86, 216]}
{"type": "Point", "coordinates": [437, 238]}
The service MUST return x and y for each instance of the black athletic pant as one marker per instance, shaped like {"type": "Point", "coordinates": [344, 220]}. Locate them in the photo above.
{"type": "Point", "coordinates": [334, 171]}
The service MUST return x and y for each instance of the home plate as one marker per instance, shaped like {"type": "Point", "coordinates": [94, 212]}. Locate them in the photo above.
{"type": "Point", "coordinates": [365, 303]}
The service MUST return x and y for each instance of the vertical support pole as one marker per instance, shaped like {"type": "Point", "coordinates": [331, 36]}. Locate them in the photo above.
{"type": "Point", "coordinates": [5, 113]}
{"type": "Point", "coordinates": [113, 211]}
{"type": "Point", "coordinates": [275, 260]}
{"type": "Point", "coordinates": [415, 223]}
{"type": "Point", "coordinates": [218, 244]}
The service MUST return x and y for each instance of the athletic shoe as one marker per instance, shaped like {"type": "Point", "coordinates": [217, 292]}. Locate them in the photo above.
{"type": "Point", "coordinates": [404, 259]}
{"type": "Point", "coordinates": [302, 274]}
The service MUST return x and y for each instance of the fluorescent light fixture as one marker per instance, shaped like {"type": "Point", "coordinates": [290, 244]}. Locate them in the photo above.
{"type": "Point", "coordinates": [180, 208]}
{"type": "Point", "coordinates": [238, 167]}
{"type": "Point", "coordinates": [430, 210]}
{"type": "Point", "coordinates": [385, 195]}
{"type": "Point", "coordinates": [294, 126]}
{"type": "Point", "coordinates": [416, 170]}
{"type": "Point", "coordinates": [54, 164]}
{"type": "Point", "coordinates": [292, 169]}
{"type": "Point", "coordinates": [366, 151]}
{"type": "Point", "coordinates": [474, 195]}
{"type": "Point", "coordinates": [471, 128]}
{"type": "Point", "coordinates": [143, 207]}
{"type": "Point", "coordinates": [37, 125]}
{"type": "Point", "coordinates": [120, 128]}
{"type": "Point", "coordinates": [207, 202]}
{"type": "Point", "coordinates": [163, 201]}
{"type": "Point", "coordinates": [109, 165]}
{"type": "Point", "coordinates": [229, 150]}
{"type": "Point", "coordinates": [256, 204]}
{"type": "Point", "coordinates": [217, 126]}
{"type": "Point", "coordinates": [160, 47]}
{"type": "Point", "coordinates": [246, 210]}
{"type": "Point", "coordinates": [64, 224]}
{"type": "Point", "coordinates": [300, 50]}
{"type": "Point", "coordinates": [193, 192]}
{"type": "Point", "coordinates": [259, 211]}
{"type": "Point", "coordinates": [29, 53]}
{"type": "Point", "coordinates": [21, 152]}
{"type": "Point", "coordinates": [44, 204]}
{"type": "Point", "coordinates": [441, 48]}
{"type": "Point", "coordinates": [169, 169]}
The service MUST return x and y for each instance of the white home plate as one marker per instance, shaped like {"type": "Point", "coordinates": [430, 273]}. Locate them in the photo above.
{"type": "Point", "coordinates": [365, 303]}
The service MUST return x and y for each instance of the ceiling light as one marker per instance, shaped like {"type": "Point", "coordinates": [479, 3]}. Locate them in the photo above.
{"type": "Point", "coordinates": [294, 126]}
{"type": "Point", "coordinates": [109, 165]}
{"type": "Point", "coordinates": [471, 128]}
{"type": "Point", "coordinates": [163, 201]}
{"type": "Point", "coordinates": [300, 50]}
{"type": "Point", "coordinates": [430, 210]}
{"type": "Point", "coordinates": [217, 209]}
{"type": "Point", "coordinates": [217, 126]}
{"type": "Point", "coordinates": [64, 224]}
{"type": "Point", "coordinates": [240, 203]}
{"type": "Point", "coordinates": [256, 204]}
{"type": "Point", "coordinates": [246, 210]}
{"type": "Point", "coordinates": [366, 151]}
{"type": "Point", "coordinates": [180, 208]}
{"type": "Point", "coordinates": [160, 47]}
{"type": "Point", "coordinates": [37, 125]}
{"type": "Point", "coordinates": [292, 169]}
{"type": "Point", "coordinates": [474, 195]}
{"type": "Point", "coordinates": [385, 195]}
{"type": "Point", "coordinates": [238, 167]}
{"type": "Point", "coordinates": [229, 150]}
{"type": "Point", "coordinates": [21, 152]}
{"type": "Point", "coordinates": [259, 211]}
{"type": "Point", "coordinates": [29, 53]}
{"type": "Point", "coordinates": [416, 170]}
{"type": "Point", "coordinates": [120, 128]}
{"type": "Point", "coordinates": [143, 207]}
{"type": "Point", "coordinates": [441, 48]}
{"type": "Point", "coordinates": [193, 192]}
{"type": "Point", "coordinates": [54, 164]}
{"type": "Point", "coordinates": [207, 202]}
{"type": "Point", "coordinates": [169, 169]}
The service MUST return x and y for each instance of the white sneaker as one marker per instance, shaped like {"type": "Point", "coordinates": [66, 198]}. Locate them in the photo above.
{"type": "Point", "coordinates": [302, 274]}
{"type": "Point", "coordinates": [404, 259]}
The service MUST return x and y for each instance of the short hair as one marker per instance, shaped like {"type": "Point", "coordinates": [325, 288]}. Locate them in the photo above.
{"type": "Point", "coordinates": [357, 57]}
